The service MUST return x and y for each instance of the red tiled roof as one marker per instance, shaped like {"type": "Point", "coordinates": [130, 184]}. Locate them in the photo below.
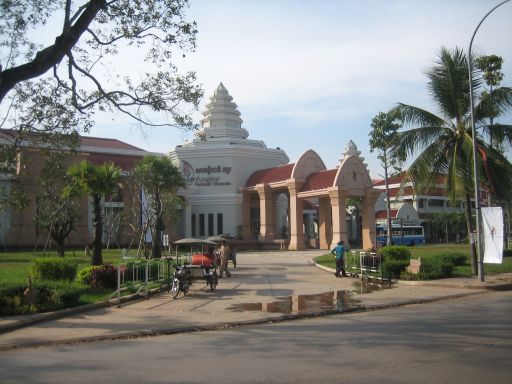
{"type": "Point", "coordinates": [270, 175]}
{"type": "Point", "coordinates": [391, 180]}
{"type": "Point", "coordinates": [319, 180]}
{"type": "Point", "coordinates": [100, 142]}
{"type": "Point", "coordinates": [439, 179]}
{"type": "Point", "coordinates": [122, 161]}
{"type": "Point", "coordinates": [393, 192]}
{"type": "Point", "coordinates": [380, 215]}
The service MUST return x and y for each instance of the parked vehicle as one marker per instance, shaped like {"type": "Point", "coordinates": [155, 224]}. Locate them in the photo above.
{"type": "Point", "coordinates": [199, 267]}
{"type": "Point", "coordinates": [180, 281]}
{"type": "Point", "coordinates": [401, 234]}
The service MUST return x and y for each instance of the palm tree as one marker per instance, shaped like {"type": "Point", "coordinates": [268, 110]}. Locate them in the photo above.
{"type": "Point", "coordinates": [98, 181]}
{"type": "Point", "coordinates": [160, 178]}
{"type": "Point", "coordinates": [444, 142]}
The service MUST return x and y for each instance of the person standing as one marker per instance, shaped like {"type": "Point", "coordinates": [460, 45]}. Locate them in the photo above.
{"type": "Point", "coordinates": [339, 252]}
{"type": "Point", "coordinates": [224, 258]}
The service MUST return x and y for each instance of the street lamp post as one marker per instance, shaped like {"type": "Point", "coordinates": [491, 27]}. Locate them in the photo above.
{"type": "Point", "coordinates": [475, 166]}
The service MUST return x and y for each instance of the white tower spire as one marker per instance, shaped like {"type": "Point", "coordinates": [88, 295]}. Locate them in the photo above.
{"type": "Point", "coordinates": [221, 117]}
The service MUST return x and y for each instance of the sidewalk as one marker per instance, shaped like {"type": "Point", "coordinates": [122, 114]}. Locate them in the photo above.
{"type": "Point", "coordinates": [266, 286]}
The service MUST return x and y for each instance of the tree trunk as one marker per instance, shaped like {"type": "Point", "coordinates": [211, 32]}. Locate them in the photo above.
{"type": "Point", "coordinates": [388, 203]}
{"type": "Point", "coordinates": [157, 243]}
{"type": "Point", "coordinates": [472, 241]}
{"type": "Point", "coordinates": [97, 258]}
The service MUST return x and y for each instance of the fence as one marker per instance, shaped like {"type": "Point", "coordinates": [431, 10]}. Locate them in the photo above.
{"type": "Point", "coordinates": [364, 265]}
{"type": "Point", "coordinates": [138, 275]}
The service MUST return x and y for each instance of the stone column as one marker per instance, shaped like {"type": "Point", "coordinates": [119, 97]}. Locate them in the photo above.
{"type": "Point", "coordinates": [296, 221]}
{"type": "Point", "coordinates": [246, 215]}
{"type": "Point", "coordinates": [324, 223]}
{"type": "Point", "coordinates": [267, 212]}
{"type": "Point", "coordinates": [368, 218]}
{"type": "Point", "coordinates": [339, 215]}
{"type": "Point", "coordinates": [188, 220]}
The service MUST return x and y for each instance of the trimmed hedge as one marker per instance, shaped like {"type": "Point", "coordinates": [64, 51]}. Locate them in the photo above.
{"type": "Point", "coordinates": [455, 258]}
{"type": "Point", "coordinates": [53, 268]}
{"type": "Point", "coordinates": [435, 268]}
{"type": "Point", "coordinates": [49, 296]}
{"type": "Point", "coordinates": [392, 269]}
{"type": "Point", "coordinates": [395, 252]}
{"type": "Point", "coordinates": [395, 259]}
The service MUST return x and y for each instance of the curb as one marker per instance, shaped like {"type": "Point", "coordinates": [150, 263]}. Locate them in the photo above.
{"type": "Point", "coordinates": [47, 316]}
{"type": "Point", "coordinates": [494, 286]}
{"type": "Point", "coordinates": [234, 324]}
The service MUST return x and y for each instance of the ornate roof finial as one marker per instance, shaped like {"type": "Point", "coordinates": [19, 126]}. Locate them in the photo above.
{"type": "Point", "coordinates": [221, 117]}
{"type": "Point", "coordinates": [351, 150]}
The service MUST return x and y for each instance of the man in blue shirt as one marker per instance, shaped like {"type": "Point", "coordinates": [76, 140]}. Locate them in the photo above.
{"type": "Point", "coordinates": [339, 252]}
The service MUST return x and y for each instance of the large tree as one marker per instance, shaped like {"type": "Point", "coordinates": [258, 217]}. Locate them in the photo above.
{"type": "Point", "coordinates": [443, 141]}
{"type": "Point", "coordinates": [58, 62]}
{"type": "Point", "coordinates": [98, 181]}
{"type": "Point", "coordinates": [384, 130]}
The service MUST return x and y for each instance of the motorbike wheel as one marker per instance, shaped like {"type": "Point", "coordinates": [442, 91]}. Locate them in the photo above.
{"type": "Point", "coordinates": [175, 289]}
{"type": "Point", "coordinates": [214, 280]}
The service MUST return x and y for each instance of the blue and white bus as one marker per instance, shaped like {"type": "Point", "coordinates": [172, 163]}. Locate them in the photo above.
{"type": "Point", "coordinates": [401, 235]}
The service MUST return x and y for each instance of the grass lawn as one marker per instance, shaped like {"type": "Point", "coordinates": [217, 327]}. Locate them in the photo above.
{"type": "Point", "coordinates": [15, 266]}
{"type": "Point", "coordinates": [327, 260]}
{"type": "Point", "coordinates": [15, 269]}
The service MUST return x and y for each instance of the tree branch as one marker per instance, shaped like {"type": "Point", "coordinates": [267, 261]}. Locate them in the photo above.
{"type": "Point", "coordinates": [53, 54]}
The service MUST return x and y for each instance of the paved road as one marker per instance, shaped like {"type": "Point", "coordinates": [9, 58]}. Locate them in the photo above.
{"type": "Point", "coordinates": [465, 340]}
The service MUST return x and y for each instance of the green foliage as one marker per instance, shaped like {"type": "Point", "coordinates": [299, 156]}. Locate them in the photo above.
{"type": "Point", "coordinates": [392, 269]}
{"type": "Point", "coordinates": [99, 277]}
{"type": "Point", "coordinates": [67, 76]}
{"type": "Point", "coordinates": [395, 252]}
{"type": "Point", "coordinates": [53, 268]}
{"type": "Point", "coordinates": [436, 268]}
{"type": "Point", "coordinates": [50, 296]}
{"type": "Point", "coordinates": [161, 179]}
{"type": "Point", "coordinates": [454, 258]}
{"type": "Point", "coordinates": [97, 180]}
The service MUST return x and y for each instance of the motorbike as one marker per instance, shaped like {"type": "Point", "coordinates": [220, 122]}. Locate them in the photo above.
{"type": "Point", "coordinates": [180, 281]}
{"type": "Point", "coordinates": [184, 275]}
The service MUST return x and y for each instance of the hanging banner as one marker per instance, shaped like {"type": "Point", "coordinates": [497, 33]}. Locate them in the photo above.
{"type": "Point", "coordinates": [492, 223]}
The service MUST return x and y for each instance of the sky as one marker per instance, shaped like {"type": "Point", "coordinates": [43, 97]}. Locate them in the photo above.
{"type": "Point", "coordinates": [312, 74]}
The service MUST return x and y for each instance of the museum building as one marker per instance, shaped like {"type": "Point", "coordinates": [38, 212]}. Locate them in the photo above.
{"type": "Point", "coordinates": [239, 186]}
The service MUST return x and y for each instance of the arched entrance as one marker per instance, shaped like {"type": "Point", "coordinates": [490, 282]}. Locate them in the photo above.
{"type": "Point", "coordinates": [308, 180]}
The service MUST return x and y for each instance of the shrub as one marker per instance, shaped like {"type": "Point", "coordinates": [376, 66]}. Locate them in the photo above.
{"type": "Point", "coordinates": [395, 252]}
{"type": "Point", "coordinates": [51, 296]}
{"type": "Point", "coordinates": [103, 276]}
{"type": "Point", "coordinates": [53, 268]}
{"type": "Point", "coordinates": [435, 268]}
{"type": "Point", "coordinates": [54, 295]}
{"type": "Point", "coordinates": [507, 252]}
{"type": "Point", "coordinates": [392, 269]}
{"type": "Point", "coordinates": [455, 258]}
{"type": "Point", "coordinates": [11, 298]}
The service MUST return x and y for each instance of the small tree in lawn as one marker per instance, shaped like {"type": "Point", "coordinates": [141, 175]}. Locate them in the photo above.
{"type": "Point", "coordinates": [160, 179]}
{"type": "Point", "coordinates": [384, 129]}
{"type": "Point", "coordinates": [97, 181]}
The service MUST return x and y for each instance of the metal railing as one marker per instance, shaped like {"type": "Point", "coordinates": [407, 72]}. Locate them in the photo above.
{"type": "Point", "coordinates": [138, 275]}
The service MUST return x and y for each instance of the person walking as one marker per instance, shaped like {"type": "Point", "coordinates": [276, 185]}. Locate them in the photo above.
{"type": "Point", "coordinates": [224, 258]}
{"type": "Point", "coordinates": [339, 252]}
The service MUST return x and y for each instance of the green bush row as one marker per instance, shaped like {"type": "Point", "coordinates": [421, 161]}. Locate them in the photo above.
{"type": "Point", "coordinates": [395, 252]}
{"type": "Point", "coordinates": [53, 268]}
{"type": "Point", "coordinates": [48, 296]}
